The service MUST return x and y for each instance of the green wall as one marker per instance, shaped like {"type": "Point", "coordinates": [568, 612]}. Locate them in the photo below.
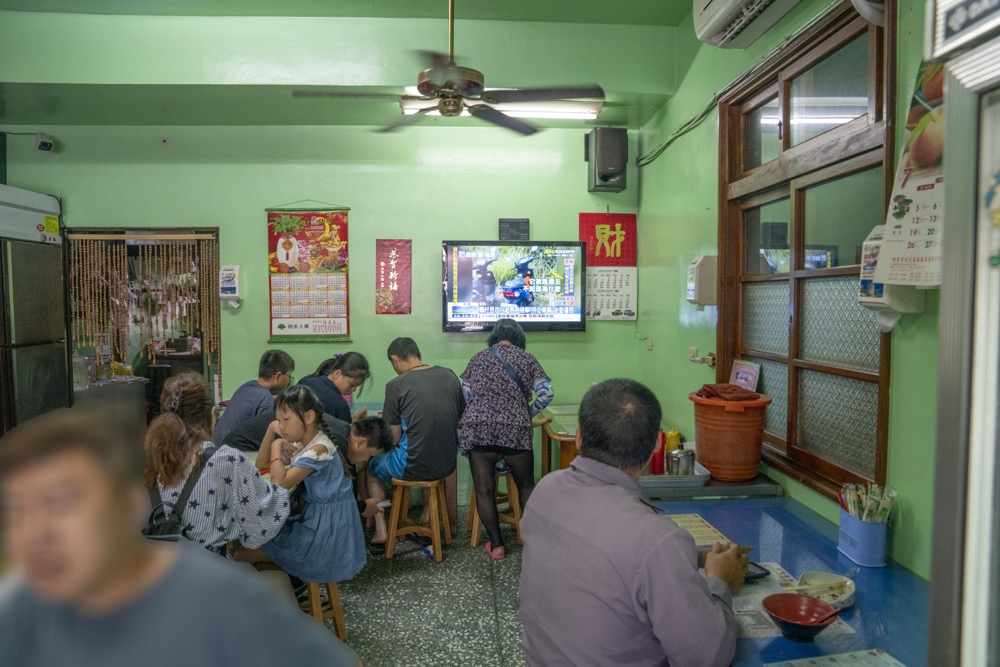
{"type": "Point", "coordinates": [430, 183]}
{"type": "Point", "coordinates": [678, 221]}
{"type": "Point", "coordinates": [427, 184]}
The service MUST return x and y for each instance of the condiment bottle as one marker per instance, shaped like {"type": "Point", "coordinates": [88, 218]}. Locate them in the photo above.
{"type": "Point", "coordinates": [673, 439]}
{"type": "Point", "coordinates": [656, 463]}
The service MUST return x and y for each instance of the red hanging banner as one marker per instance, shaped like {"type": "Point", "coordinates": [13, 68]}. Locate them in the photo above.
{"type": "Point", "coordinates": [612, 273]}
{"type": "Point", "coordinates": [393, 259]}
{"type": "Point", "coordinates": [307, 261]}
{"type": "Point", "coordinates": [610, 237]}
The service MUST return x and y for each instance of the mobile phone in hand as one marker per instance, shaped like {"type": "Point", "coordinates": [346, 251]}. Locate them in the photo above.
{"type": "Point", "coordinates": [754, 572]}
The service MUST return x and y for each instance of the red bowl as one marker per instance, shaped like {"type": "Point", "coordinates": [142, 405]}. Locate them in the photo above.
{"type": "Point", "coordinates": [796, 615]}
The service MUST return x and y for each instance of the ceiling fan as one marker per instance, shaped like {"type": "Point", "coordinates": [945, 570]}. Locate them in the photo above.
{"type": "Point", "coordinates": [449, 89]}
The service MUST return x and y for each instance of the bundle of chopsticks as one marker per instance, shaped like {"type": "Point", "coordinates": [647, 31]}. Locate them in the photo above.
{"type": "Point", "coordinates": [871, 503]}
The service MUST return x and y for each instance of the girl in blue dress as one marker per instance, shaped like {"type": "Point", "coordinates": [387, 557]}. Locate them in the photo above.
{"type": "Point", "coordinates": [324, 540]}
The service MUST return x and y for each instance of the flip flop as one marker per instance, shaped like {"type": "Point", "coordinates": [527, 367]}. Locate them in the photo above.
{"type": "Point", "coordinates": [489, 552]}
{"type": "Point", "coordinates": [376, 548]}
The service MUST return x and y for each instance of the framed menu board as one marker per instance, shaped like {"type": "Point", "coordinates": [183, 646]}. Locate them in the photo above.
{"type": "Point", "coordinates": [308, 274]}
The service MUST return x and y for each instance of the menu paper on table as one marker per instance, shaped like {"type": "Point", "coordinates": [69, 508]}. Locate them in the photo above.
{"type": "Point", "coordinates": [308, 274]}
{"type": "Point", "coordinates": [914, 224]}
{"type": "Point", "coordinates": [612, 273]}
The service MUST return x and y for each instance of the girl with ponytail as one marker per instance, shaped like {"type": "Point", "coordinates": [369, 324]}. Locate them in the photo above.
{"type": "Point", "coordinates": [230, 500]}
{"type": "Point", "coordinates": [324, 541]}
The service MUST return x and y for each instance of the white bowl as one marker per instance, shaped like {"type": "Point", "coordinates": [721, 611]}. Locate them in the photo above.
{"type": "Point", "coordinates": [840, 597]}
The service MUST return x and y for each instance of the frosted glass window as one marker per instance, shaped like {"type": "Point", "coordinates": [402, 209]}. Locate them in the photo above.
{"type": "Point", "coordinates": [835, 329]}
{"type": "Point", "coordinates": [838, 420]}
{"type": "Point", "coordinates": [773, 381]}
{"type": "Point", "coordinates": [765, 316]}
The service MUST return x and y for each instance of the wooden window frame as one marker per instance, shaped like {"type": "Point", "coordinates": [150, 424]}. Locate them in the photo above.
{"type": "Point", "coordinates": [852, 147]}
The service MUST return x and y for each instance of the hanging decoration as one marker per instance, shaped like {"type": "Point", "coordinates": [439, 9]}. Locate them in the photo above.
{"type": "Point", "coordinates": [308, 269]}
{"type": "Point", "coordinates": [138, 297]}
{"type": "Point", "coordinates": [393, 261]}
{"type": "Point", "coordinates": [612, 273]}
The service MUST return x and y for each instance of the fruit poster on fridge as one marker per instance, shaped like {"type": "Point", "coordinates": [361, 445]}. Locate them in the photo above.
{"type": "Point", "coordinates": [914, 223]}
{"type": "Point", "coordinates": [612, 273]}
{"type": "Point", "coordinates": [308, 273]}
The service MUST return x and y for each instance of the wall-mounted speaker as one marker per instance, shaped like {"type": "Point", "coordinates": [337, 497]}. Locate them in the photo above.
{"type": "Point", "coordinates": [606, 153]}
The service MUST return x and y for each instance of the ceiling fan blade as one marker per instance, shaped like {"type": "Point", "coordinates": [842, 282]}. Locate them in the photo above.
{"type": "Point", "coordinates": [591, 92]}
{"type": "Point", "coordinates": [491, 115]}
{"type": "Point", "coordinates": [404, 120]}
{"type": "Point", "coordinates": [343, 96]}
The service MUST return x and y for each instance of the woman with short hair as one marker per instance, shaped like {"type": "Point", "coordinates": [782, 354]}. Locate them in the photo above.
{"type": "Point", "coordinates": [498, 385]}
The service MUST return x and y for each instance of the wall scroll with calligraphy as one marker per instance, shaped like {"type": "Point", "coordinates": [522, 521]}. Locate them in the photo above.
{"type": "Point", "coordinates": [612, 273]}
{"type": "Point", "coordinates": [307, 261]}
{"type": "Point", "coordinates": [393, 259]}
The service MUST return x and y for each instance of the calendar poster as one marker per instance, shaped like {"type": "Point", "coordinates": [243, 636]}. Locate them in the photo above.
{"type": "Point", "coordinates": [911, 245]}
{"type": "Point", "coordinates": [612, 273]}
{"type": "Point", "coordinates": [308, 267]}
{"type": "Point", "coordinates": [392, 276]}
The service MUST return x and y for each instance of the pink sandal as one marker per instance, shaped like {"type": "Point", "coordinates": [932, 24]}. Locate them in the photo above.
{"type": "Point", "coordinates": [489, 552]}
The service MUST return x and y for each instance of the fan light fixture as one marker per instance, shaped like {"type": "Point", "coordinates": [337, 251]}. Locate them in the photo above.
{"type": "Point", "coordinates": [556, 110]}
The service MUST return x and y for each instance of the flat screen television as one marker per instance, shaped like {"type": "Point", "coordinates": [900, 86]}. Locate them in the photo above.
{"type": "Point", "coordinates": [541, 285]}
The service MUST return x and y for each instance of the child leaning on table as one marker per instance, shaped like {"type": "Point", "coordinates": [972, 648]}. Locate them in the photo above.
{"type": "Point", "coordinates": [322, 541]}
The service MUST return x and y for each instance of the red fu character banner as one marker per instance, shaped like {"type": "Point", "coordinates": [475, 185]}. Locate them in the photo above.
{"type": "Point", "coordinates": [612, 273]}
{"type": "Point", "coordinates": [308, 266]}
{"type": "Point", "coordinates": [393, 259]}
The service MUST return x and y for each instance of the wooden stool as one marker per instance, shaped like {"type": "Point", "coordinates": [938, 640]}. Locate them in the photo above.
{"type": "Point", "coordinates": [400, 525]}
{"type": "Point", "coordinates": [333, 609]}
{"type": "Point", "coordinates": [511, 516]}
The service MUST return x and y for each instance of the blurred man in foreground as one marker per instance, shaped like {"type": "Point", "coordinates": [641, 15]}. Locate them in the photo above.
{"type": "Point", "coordinates": [604, 579]}
{"type": "Point", "coordinates": [88, 589]}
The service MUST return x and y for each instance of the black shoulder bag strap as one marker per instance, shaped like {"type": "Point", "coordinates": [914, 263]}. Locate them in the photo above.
{"type": "Point", "coordinates": [512, 373]}
{"type": "Point", "coordinates": [193, 477]}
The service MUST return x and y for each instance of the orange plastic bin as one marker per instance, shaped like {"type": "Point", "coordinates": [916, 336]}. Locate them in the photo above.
{"type": "Point", "coordinates": [729, 436]}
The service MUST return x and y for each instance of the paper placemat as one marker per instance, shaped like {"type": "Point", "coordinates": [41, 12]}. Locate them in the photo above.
{"type": "Point", "coordinates": [702, 531]}
{"type": "Point", "coordinates": [875, 657]}
{"type": "Point", "coordinates": [748, 605]}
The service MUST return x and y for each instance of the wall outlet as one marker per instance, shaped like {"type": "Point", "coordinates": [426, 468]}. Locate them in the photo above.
{"type": "Point", "coordinates": [692, 353]}
{"type": "Point", "coordinates": [649, 344]}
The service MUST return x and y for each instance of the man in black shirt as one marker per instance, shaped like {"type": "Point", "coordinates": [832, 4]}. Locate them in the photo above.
{"type": "Point", "coordinates": [423, 406]}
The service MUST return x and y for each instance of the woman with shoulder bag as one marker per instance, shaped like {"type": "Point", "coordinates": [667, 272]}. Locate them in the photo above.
{"type": "Point", "coordinates": [498, 385]}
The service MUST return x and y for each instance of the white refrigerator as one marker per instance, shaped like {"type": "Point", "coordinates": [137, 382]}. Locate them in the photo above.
{"type": "Point", "coordinates": [965, 569]}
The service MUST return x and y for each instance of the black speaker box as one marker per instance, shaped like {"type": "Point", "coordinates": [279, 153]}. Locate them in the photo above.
{"type": "Point", "coordinates": [606, 152]}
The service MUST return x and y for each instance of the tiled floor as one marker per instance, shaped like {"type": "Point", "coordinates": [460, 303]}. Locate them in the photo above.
{"type": "Point", "coordinates": [412, 611]}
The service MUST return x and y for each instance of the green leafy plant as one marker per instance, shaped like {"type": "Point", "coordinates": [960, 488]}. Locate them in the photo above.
{"type": "Point", "coordinates": [288, 224]}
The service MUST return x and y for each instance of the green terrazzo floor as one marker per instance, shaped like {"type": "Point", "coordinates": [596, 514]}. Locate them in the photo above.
{"type": "Point", "coordinates": [411, 611]}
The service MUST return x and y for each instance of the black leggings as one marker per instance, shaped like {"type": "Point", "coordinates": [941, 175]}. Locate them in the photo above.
{"type": "Point", "coordinates": [482, 460]}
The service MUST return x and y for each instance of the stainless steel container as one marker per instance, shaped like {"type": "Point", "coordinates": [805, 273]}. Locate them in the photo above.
{"type": "Point", "coordinates": [681, 462]}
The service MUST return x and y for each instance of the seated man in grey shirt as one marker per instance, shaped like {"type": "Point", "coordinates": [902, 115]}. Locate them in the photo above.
{"type": "Point", "coordinates": [604, 579]}
{"type": "Point", "coordinates": [87, 589]}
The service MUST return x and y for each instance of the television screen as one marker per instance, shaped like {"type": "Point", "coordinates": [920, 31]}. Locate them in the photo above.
{"type": "Point", "coordinates": [541, 285]}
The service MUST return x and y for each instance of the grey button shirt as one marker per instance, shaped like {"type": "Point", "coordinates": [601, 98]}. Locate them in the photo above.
{"type": "Point", "coordinates": [607, 581]}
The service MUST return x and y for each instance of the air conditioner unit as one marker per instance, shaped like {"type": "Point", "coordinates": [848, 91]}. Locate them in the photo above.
{"type": "Point", "coordinates": [736, 24]}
